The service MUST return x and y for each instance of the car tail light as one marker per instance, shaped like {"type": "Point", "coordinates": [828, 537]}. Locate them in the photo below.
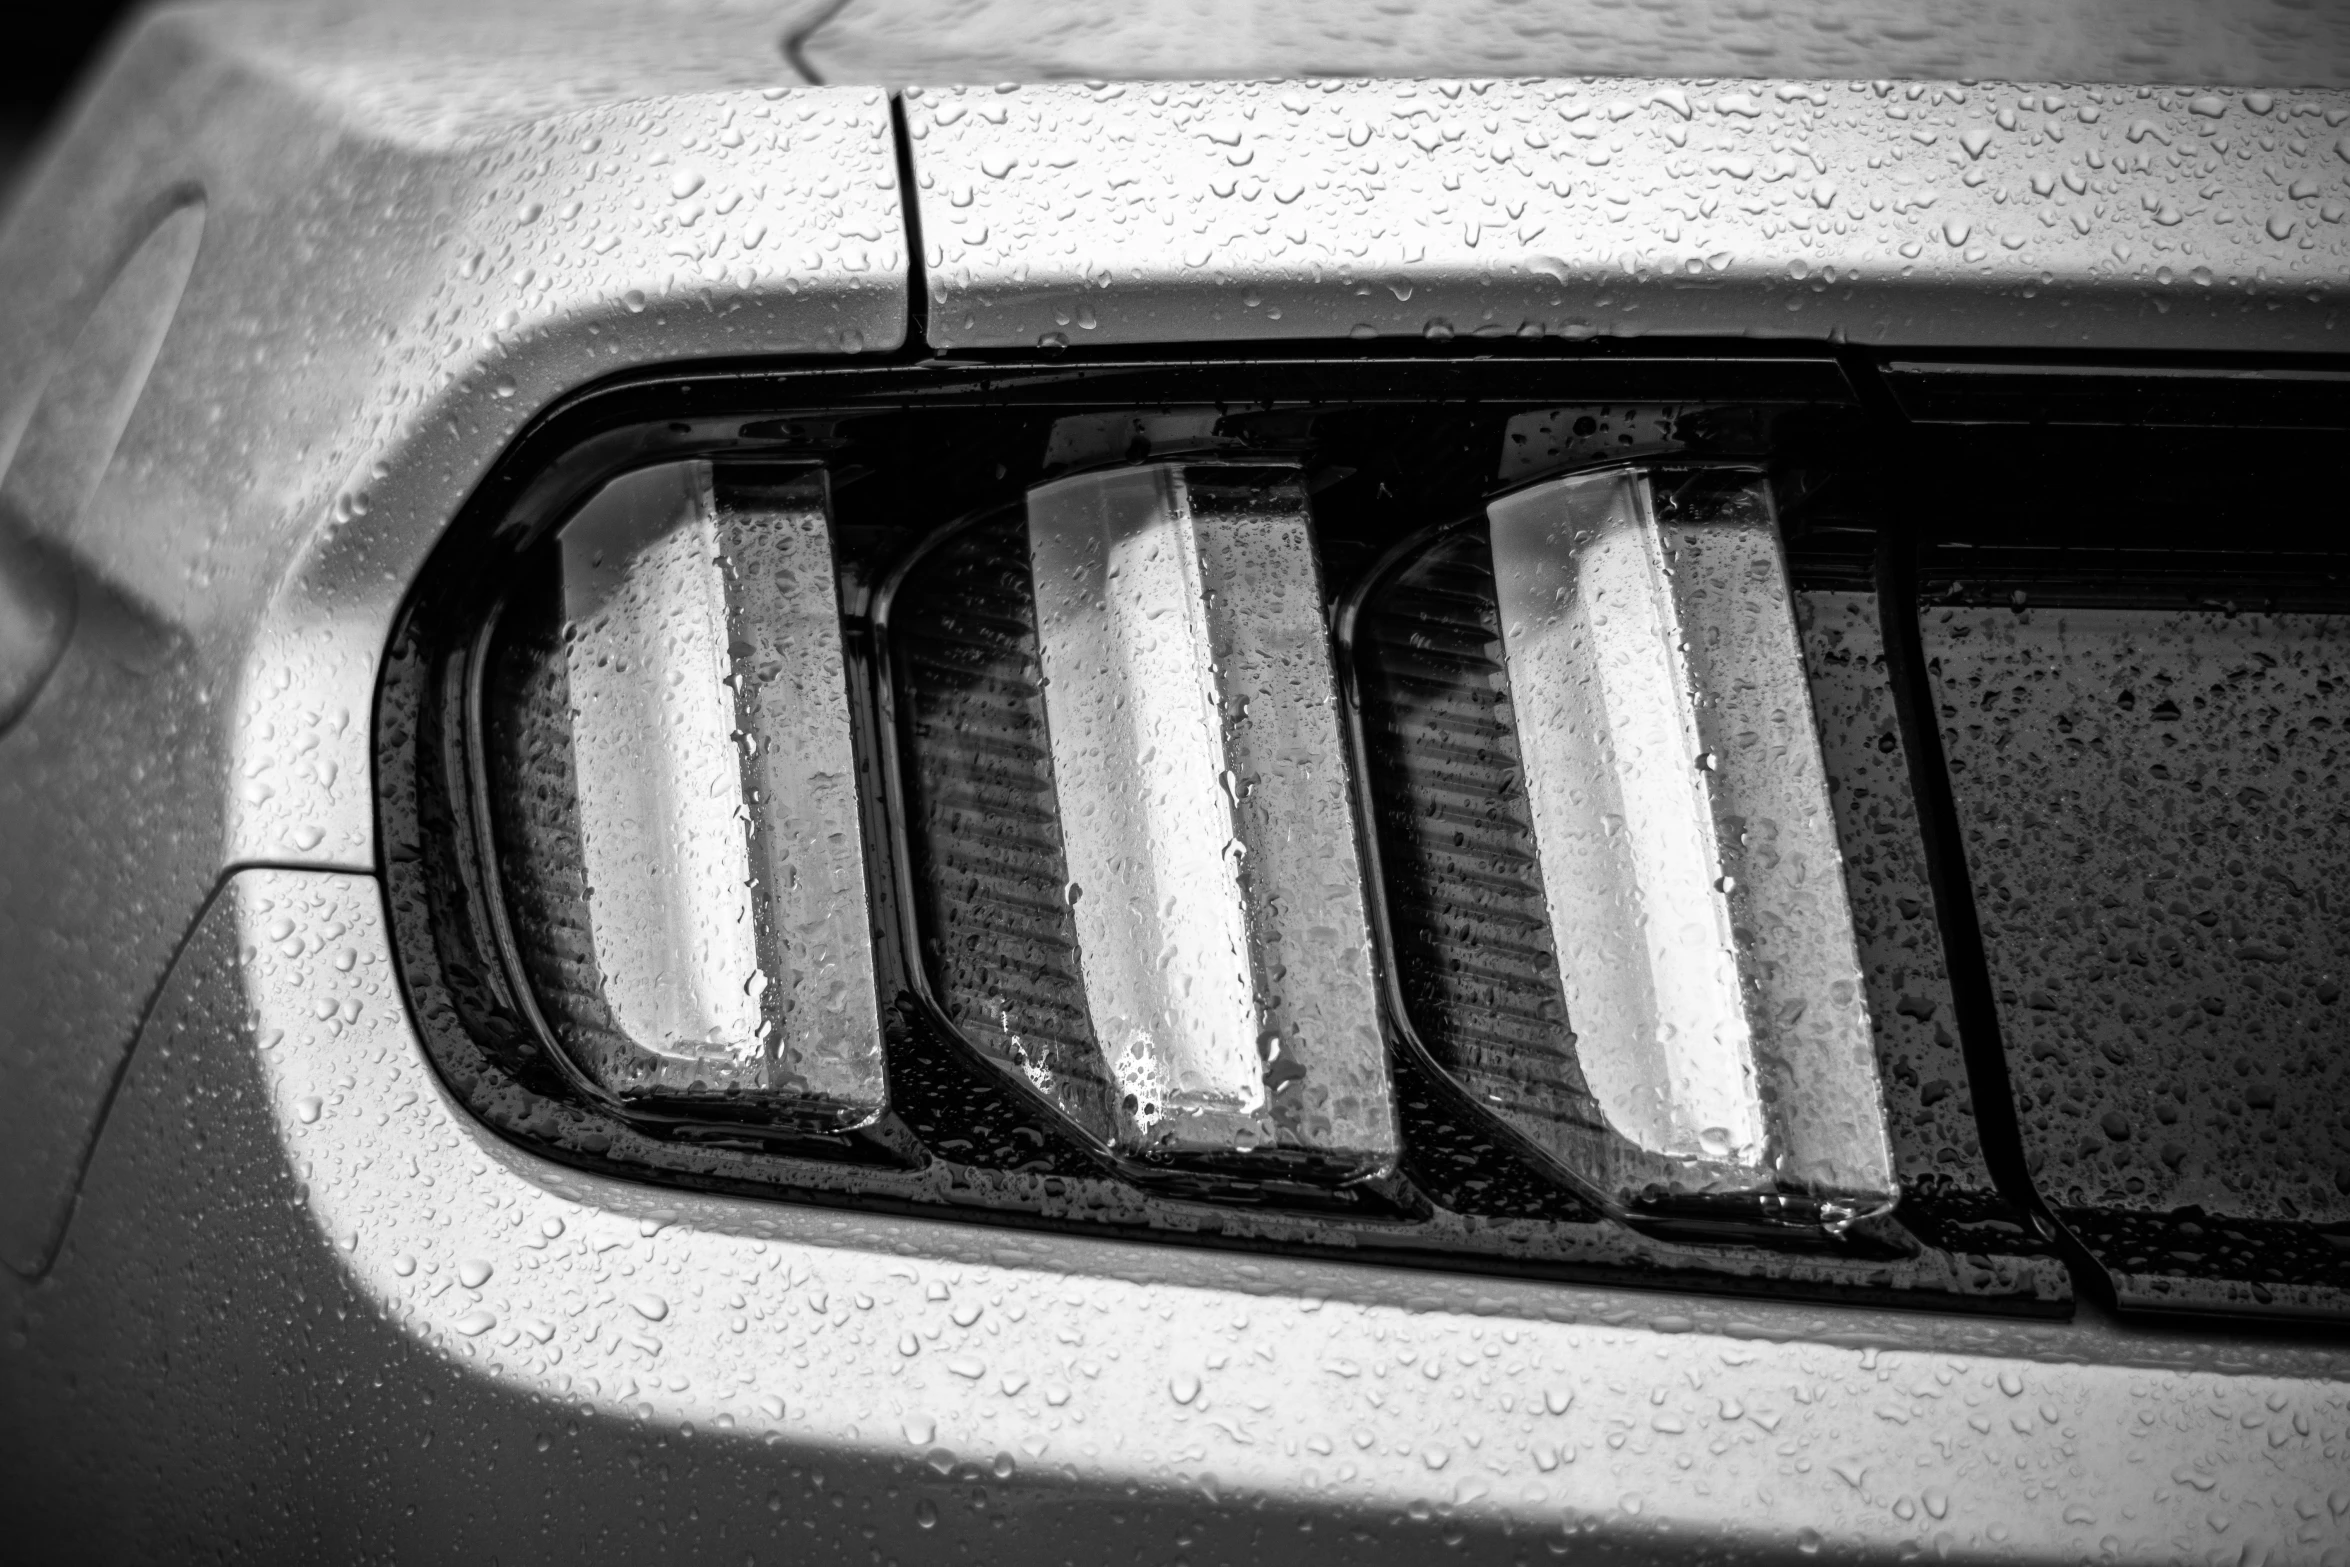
{"type": "Point", "coordinates": [1673, 892]}
{"type": "Point", "coordinates": [1436, 810]}
{"type": "Point", "coordinates": [672, 803]}
{"type": "Point", "coordinates": [1193, 859]}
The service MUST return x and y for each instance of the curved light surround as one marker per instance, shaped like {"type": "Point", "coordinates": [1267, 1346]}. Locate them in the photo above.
{"type": "Point", "coordinates": [1714, 1040]}
{"type": "Point", "coordinates": [678, 822]}
{"type": "Point", "coordinates": [1214, 879]}
{"type": "Point", "coordinates": [1168, 916]}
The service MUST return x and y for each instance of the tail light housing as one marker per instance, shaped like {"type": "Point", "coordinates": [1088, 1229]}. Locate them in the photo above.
{"type": "Point", "coordinates": [1490, 812]}
{"type": "Point", "coordinates": [1192, 866]}
{"type": "Point", "coordinates": [669, 791]}
{"type": "Point", "coordinates": [1658, 871]}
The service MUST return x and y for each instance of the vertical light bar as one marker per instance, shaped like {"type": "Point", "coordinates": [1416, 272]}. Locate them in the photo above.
{"type": "Point", "coordinates": [800, 775]}
{"type": "Point", "coordinates": [1301, 873]}
{"type": "Point", "coordinates": [663, 834]}
{"type": "Point", "coordinates": [715, 797]}
{"type": "Point", "coordinates": [1683, 831]}
{"type": "Point", "coordinates": [1198, 765]}
{"type": "Point", "coordinates": [1617, 792]}
{"type": "Point", "coordinates": [1146, 818]}
{"type": "Point", "coordinates": [1798, 955]}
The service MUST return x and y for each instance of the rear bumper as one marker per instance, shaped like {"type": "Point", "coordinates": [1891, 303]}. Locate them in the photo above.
{"type": "Point", "coordinates": [313, 1302]}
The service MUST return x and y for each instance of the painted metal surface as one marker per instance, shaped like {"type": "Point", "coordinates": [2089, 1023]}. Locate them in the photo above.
{"type": "Point", "coordinates": [322, 1310]}
{"type": "Point", "coordinates": [419, 228]}
{"type": "Point", "coordinates": [319, 1311]}
{"type": "Point", "coordinates": [1917, 213]}
{"type": "Point", "coordinates": [2250, 43]}
{"type": "Point", "coordinates": [682, 780]}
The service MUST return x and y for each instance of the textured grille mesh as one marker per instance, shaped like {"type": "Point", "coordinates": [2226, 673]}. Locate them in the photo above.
{"type": "Point", "coordinates": [989, 875]}
{"type": "Point", "coordinates": [1465, 901]}
{"type": "Point", "coordinates": [535, 812]}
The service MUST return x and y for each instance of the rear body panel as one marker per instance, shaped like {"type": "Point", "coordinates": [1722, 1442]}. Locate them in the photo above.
{"type": "Point", "coordinates": [318, 1309]}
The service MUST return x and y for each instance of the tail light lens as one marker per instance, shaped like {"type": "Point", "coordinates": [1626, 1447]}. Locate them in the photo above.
{"type": "Point", "coordinates": [674, 804]}
{"type": "Point", "coordinates": [987, 875]}
{"type": "Point", "coordinates": [1196, 753]}
{"type": "Point", "coordinates": [1187, 810]}
{"type": "Point", "coordinates": [1399, 825]}
{"type": "Point", "coordinates": [1131, 818]}
{"type": "Point", "coordinates": [2149, 774]}
{"type": "Point", "coordinates": [1681, 1019]}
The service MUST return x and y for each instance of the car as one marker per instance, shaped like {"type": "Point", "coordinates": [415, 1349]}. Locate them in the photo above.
{"type": "Point", "coordinates": [1275, 782]}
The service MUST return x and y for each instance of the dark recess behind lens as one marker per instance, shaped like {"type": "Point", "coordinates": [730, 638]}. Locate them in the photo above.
{"type": "Point", "coordinates": [43, 62]}
{"type": "Point", "coordinates": [2136, 642]}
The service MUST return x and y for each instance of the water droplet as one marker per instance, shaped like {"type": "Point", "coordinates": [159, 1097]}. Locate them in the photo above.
{"type": "Point", "coordinates": [473, 1273]}
{"type": "Point", "coordinates": [475, 1323]}
{"type": "Point", "coordinates": [650, 1307]}
{"type": "Point", "coordinates": [1184, 1386]}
